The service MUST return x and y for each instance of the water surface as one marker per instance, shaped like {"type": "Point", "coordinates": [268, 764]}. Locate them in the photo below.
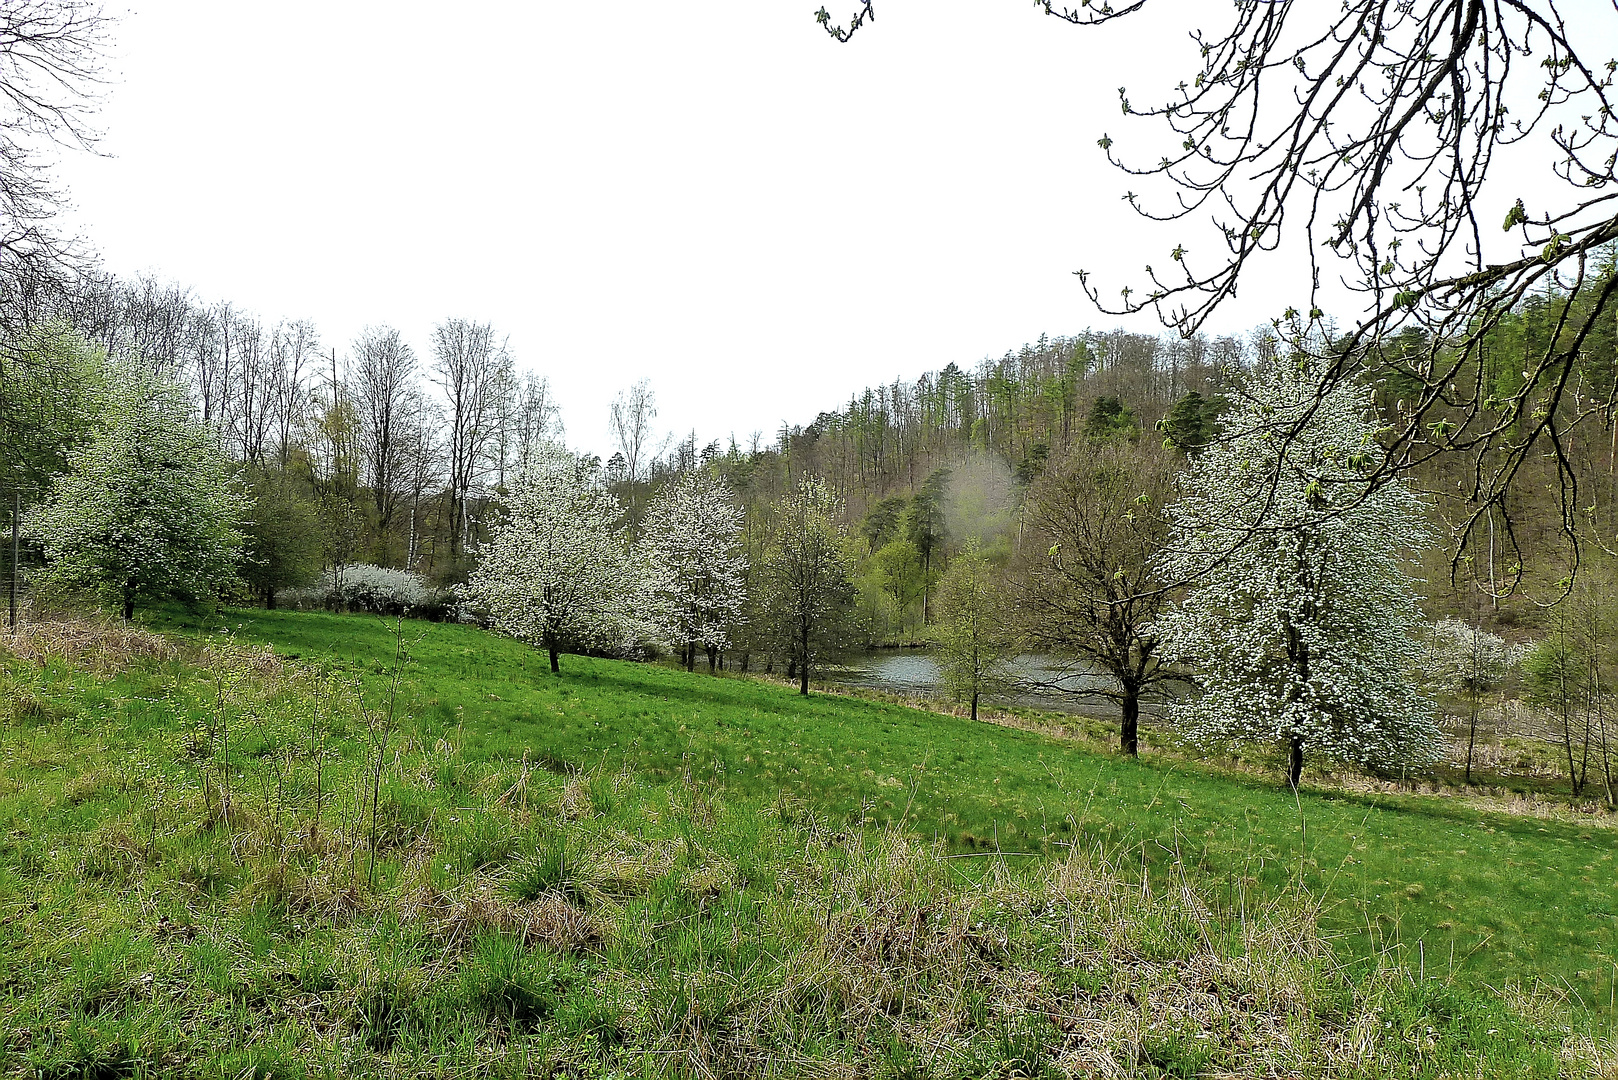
{"type": "Point", "coordinates": [1043, 681]}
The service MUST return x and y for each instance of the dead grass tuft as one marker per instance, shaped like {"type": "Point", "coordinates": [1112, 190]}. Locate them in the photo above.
{"type": "Point", "coordinates": [456, 920]}
{"type": "Point", "coordinates": [101, 646]}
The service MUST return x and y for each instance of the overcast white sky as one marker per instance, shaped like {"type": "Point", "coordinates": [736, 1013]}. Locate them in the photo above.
{"type": "Point", "coordinates": [715, 196]}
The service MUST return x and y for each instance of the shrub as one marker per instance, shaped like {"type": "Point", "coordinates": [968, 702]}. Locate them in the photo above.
{"type": "Point", "coordinates": [375, 589]}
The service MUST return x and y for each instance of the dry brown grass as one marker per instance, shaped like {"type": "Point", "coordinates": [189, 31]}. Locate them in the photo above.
{"type": "Point", "coordinates": [101, 646]}
{"type": "Point", "coordinates": [456, 919]}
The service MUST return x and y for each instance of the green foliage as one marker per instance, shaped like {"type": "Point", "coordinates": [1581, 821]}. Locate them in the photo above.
{"type": "Point", "coordinates": [1192, 421]}
{"type": "Point", "coordinates": [1110, 418]}
{"type": "Point", "coordinates": [975, 642]}
{"type": "Point", "coordinates": [282, 536]}
{"type": "Point", "coordinates": [882, 520]}
{"type": "Point", "coordinates": [807, 578]}
{"type": "Point", "coordinates": [148, 509]}
{"type": "Point", "coordinates": [51, 388]}
{"type": "Point", "coordinates": [898, 570]}
{"type": "Point", "coordinates": [923, 522]}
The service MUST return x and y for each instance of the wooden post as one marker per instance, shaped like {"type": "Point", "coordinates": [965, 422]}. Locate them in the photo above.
{"type": "Point", "coordinates": [16, 521]}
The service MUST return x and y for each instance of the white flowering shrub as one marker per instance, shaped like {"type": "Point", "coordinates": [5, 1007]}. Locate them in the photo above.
{"type": "Point", "coordinates": [1300, 616]}
{"type": "Point", "coordinates": [376, 589]}
{"type": "Point", "coordinates": [1467, 659]}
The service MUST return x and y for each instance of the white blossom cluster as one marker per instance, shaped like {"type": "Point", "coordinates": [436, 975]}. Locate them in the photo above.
{"type": "Point", "coordinates": [363, 587]}
{"type": "Point", "coordinates": [1300, 614]}
{"type": "Point", "coordinates": [1468, 659]}
{"type": "Point", "coordinates": [557, 572]}
{"type": "Point", "coordinates": [696, 568]}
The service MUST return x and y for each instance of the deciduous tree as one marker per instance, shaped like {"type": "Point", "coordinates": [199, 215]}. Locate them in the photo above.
{"type": "Point", "coordinates": [472, 368]}
{"type": "Point", "coordinates": [1470, 661]}
{"type": "Point", "coordinates": [976, 642]}
{"type": "Point", "coordinates": [692, 542]}
{"type": "Point", "coordinates": [148, 509]}
{"type": "Point", "coordinates": [808, 575]}
{"type": "Point", "coordinates": [1299, 617]}
{"type": "Point", "coordinates": [556, 572]}
{"type": "Point", "coordinates": [1089, 587]}
{"type": "Point", "coordinates": [282, 536]}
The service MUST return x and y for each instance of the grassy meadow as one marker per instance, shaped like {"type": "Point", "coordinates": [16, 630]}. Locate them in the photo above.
{"type": "Point", "coordinates": [1490, 896]}
{"type": "Point", "coordinates": [362, 853]}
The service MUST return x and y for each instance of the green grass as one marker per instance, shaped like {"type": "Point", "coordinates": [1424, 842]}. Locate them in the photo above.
{"type": "Point", "coordinates": [1488, 896]}
{"type": "Point", "coordinates": [605, 874]}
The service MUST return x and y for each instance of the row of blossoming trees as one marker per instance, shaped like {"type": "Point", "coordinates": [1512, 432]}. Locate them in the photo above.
{"type": "Point", "coordinates": [1264, 580]}
{"type": "Point", "coordinates": [1268, 578]}
{"type": "Point", "coordinates": [562, 573]}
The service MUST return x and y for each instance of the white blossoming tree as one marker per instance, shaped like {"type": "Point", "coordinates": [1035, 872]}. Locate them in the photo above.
{"type": "Point", "coordinates": [149, 508]}
{"type": "Point", "coordinates": [1470, 661]}
{"type": "Point", "coordinates": [1299, 616]}
{"type": "Point", "coordinates": [557, 573]}
{"type": "Point", "coordinates": [692, 542]}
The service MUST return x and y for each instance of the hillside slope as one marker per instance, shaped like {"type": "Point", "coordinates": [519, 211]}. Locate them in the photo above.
{"type": "Point", "coordinates": [217, 860]}
{"type": "Point", "coordinates": [1488, 896]}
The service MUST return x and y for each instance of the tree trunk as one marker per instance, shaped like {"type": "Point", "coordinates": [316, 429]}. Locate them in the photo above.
{"type": "Point", "coordinates": [974, 704]}
{"type": "Point", "coordinates": [1295, 762]}
{"type": "Point", "coordinates": [1471, 739]}
{"type": "Point", "coordinates": [1567, 744]}
{"type": "Point", "coordinates": [690, 656]}
{"type": "Point", "coordinates": [1129, 729]}
{"type": "Point", "coordinates": [926, 574]}
{"type": "Point", "coordinates": [556, 667]}
{"type": "Point", "coordinates": [269, 598]}
{"type": "Point", "coordinates": [713, 659]}
{"type": "Point", "coordinates": [129, 607]}
{"type": "Point", "coordinates": [747, 655]}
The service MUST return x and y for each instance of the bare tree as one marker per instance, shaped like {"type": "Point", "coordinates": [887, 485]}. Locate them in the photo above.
{"type": "Point", "coordinates": [421, 460]}
{"type": "Point", "coordinates": [383, 374]}
{"type": "Point", "coordinates": [1088, 589]}
{"type": "Point", "coordinates": [50, 57]}
{"type": "Point", "coordinates": [536, 422]}
{"type": "Point", "coordinates": [1378, 157]}
{"type": "Point", "coordinates": [294, 349]}
{"type": "Point", "coordinates": [470, 367]}
{"type": "Point", "coordinates": [633, 411]}
{"type": "Point", "coordinates": [248, 405]}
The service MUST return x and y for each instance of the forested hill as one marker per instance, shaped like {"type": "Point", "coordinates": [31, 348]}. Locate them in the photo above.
{"type": "Point", "coordinates": [1023, 409]}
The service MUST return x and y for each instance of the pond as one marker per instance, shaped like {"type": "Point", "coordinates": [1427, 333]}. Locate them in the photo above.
{"type": "Point", "coordinates": [1043, 681]}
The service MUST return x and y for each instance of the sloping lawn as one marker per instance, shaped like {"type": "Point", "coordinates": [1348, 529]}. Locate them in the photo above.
{"type": "Point", "coordinates": [1490, 897]}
